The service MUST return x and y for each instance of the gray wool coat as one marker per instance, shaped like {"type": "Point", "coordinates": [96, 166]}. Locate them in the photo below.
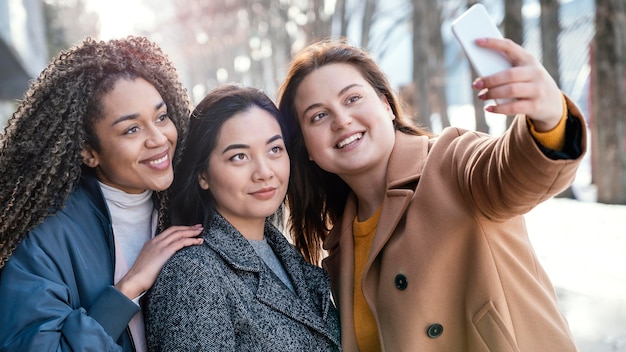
{"type": "Point", "coordinates": [220, 296]}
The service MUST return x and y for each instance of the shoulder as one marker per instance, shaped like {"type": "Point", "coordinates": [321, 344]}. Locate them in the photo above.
{"type": "Point", "coordinates": [451, 135]}
{"type": "Point", "coordinates": [78, 216]}
{"type": "Point", "coordinates": [192, 274]}
{"type": "Point", "coordinates": [202, 256]}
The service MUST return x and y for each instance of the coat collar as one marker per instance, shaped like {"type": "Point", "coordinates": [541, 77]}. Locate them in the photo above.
{"type": "Point", "coordinates": [310, 304]}
{"type": "Point", "coordinates": [403, 173]}
{"type": "Point", "coordinates": [402, 178]}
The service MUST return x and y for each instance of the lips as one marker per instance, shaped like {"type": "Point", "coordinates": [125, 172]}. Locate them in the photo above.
{"type": "Point", "coordinates": [351, 139]}
{"type": "Point", "coordinates": [264, 193]}
{"type": "Point", "coordinates": [159, 161]}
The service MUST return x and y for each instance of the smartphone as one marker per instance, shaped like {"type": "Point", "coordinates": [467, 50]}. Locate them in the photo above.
{"type": "Point", "coordinates": [473, 24]}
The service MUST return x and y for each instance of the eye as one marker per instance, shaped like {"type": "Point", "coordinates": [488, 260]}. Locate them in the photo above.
{"type": "Point", "coordinates": [238, 157]}
{"type": "Point", "coordinates": [276, 149]}
{"type": "Point", "coordinates": [353, 98]}
{"type": "Point", "coordinates": [318, 116]}
{"type": "Point", "coordinates": [162, 118]}
{"type": "Point", "coordinates": [132, 130]}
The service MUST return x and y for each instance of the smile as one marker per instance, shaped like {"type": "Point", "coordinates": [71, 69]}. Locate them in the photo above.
{"type": "Point", "coordinates": [159, 160]}
{"type": "Point", "coordinates": [353, 138]}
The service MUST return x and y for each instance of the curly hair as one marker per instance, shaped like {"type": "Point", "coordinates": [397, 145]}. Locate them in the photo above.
{"type": "Point", "coordinates": [40, 150]}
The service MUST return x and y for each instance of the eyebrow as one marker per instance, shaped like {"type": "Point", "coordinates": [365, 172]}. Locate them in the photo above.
{"type": "Point", "coordinates": [245, 146]}
{"type": "Point", "coordinates": [315, 105]}
{"type": "Point", "coordinates": [134, 116]}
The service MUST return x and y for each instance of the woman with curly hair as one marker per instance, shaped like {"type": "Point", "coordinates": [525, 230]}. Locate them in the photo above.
{"type": "Point", "coordinates": [86, 156]}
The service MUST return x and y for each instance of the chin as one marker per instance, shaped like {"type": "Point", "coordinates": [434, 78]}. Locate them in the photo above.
{"type": "Point", "coordinates": [162, 186]}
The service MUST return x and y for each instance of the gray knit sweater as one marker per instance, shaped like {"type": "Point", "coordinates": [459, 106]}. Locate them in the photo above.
{"type": "Point", "coordinates": [221, 296]}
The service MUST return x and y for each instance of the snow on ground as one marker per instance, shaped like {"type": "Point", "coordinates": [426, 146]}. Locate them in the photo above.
{"type": "Point", "coordinates": [582, 247]}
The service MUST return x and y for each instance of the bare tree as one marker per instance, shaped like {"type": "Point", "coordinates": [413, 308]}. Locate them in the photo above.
{"type": "Point", "coordinates": [437, 62]}
{"type": "Point", "coordinates": [609, 101]}
{"type": "Point", "coordinates": [421, 69]}
{"type": "Point", "coordinates": [550, 30]}
{"type": "Point", "coordinates": [67, 23]}
{"type": "Point", "coordinates": [513, 28]}
{"type": "Point", "coordinates": [318, 27]}
{"type": "Point", "coordinates": [368, 19]}
{"type": "Point", "coordinates": [341, 14]}
{"type": "Point", "coordinates": [479, 105]}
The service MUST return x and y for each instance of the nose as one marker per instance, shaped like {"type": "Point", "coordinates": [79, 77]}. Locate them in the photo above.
{"type": "Point", "coordinates": [263, 170]}
{"type": "Point", "coordinates": [341, 120]}
{"type": "Point", "coordinates": [156, 137]}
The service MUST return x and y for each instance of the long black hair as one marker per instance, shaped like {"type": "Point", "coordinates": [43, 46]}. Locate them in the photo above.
{"type": "Point", "coordinates": [189, 204]}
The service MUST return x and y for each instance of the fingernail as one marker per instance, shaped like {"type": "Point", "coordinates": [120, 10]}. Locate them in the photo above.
{"type": "Point", "coordinates": [478, 84]}
{"type": "Point", "coordinates": [490, 108]}
{"type": "Point", "coordinates": [481, 40]}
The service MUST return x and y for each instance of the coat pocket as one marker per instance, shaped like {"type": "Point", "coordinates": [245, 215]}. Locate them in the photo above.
{"type": "Point", "coordinates": [493, 331]}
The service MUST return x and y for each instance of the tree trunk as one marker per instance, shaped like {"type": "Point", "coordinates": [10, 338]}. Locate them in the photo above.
{"type": "Point", "coordinates": [438, 64]}
{"type": "Point", "coordinates": [513, 28]}
{"type": "Point", "coordinates": [479, 110]}
{"type": "Point", "coordinates": [421, 75]}
{"type": "Point", "coordinates": [479, 105]}
{"type": "Point", "coordinates": [320, 28]}
{"type": "Point", "coordinates": [609, 101]}
{"type": "Point", "coordinates": [550, 30]}
{"type": "Point", "coordinates": [340, 12]}
{"type": "Point", "coordinates": [368, 19]}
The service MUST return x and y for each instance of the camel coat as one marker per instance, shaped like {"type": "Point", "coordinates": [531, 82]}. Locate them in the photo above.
{"type": "Point", "coordinates": [451, 266]}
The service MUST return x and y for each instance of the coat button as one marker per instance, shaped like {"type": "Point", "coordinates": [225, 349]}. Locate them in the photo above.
{"type": "Point", "coordinates": [434, 331]}
{"type": "Point", "coordinates": [400, 282]}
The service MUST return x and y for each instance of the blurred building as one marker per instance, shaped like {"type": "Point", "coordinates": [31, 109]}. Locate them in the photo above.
{"type": "Point", "coordinates": [23, 50]}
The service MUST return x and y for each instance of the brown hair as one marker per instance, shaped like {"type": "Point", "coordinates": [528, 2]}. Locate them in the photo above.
{"type": "Point", "coordinates": [316, 198]}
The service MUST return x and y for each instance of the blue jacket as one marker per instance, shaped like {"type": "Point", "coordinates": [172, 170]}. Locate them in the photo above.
{"type": "Point", "coordinates": [56, 289]}
{"type": "Point", "coordinates": [220, 296]}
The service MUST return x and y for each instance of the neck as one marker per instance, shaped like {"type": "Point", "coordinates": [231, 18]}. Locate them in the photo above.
{"type": "Point", "coordinates": [250, 228]}
{"type": "Point", "coordinates": [369, 191]}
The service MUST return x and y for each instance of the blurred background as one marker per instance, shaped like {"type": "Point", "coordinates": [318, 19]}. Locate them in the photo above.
{"type": "Point", "coordinates": [582, 43]}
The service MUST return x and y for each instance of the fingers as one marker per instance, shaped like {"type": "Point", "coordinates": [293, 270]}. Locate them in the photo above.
{"type": "Point", "coordinates": [527, 87]}
{"type": "Point", "coordinates": [178, 237]}
{"type": "Point", "coordinates": [154, 254]}
{"type": "Point", "coordinates": [516, 54]}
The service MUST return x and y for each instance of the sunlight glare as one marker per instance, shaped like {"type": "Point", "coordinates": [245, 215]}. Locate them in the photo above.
{"type": "Point", "coordinates": [120, 18]}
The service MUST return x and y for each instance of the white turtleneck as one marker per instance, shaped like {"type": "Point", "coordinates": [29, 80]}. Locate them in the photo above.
{"type": "Point", "coordinates": [134, 220]}
{"type": "Point", "coordinates": [131, 216]}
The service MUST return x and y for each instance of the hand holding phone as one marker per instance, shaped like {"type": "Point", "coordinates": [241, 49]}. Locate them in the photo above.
{"type": "Point", "coordinates": [473, 24]}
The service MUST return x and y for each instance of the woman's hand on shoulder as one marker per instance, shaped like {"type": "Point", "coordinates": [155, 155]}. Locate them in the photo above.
{"type": "Point", "coordinates": [154, 254]}
{"type": "Point", "coordinates": [532, 90]}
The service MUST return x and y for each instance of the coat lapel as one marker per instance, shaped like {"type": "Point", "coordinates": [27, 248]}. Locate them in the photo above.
{"type": "Point", "coordinates": [301, 305]}
{"type": "Point", "coordinates": [402, 180]}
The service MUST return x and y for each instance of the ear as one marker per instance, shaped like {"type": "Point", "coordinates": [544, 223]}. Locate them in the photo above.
{"type": "Point", "coordinates": [203, 181]}
{"type": "Point", "coordinates": [90, 156]}
{"type": "Point", "coordinates": [385, 102]}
